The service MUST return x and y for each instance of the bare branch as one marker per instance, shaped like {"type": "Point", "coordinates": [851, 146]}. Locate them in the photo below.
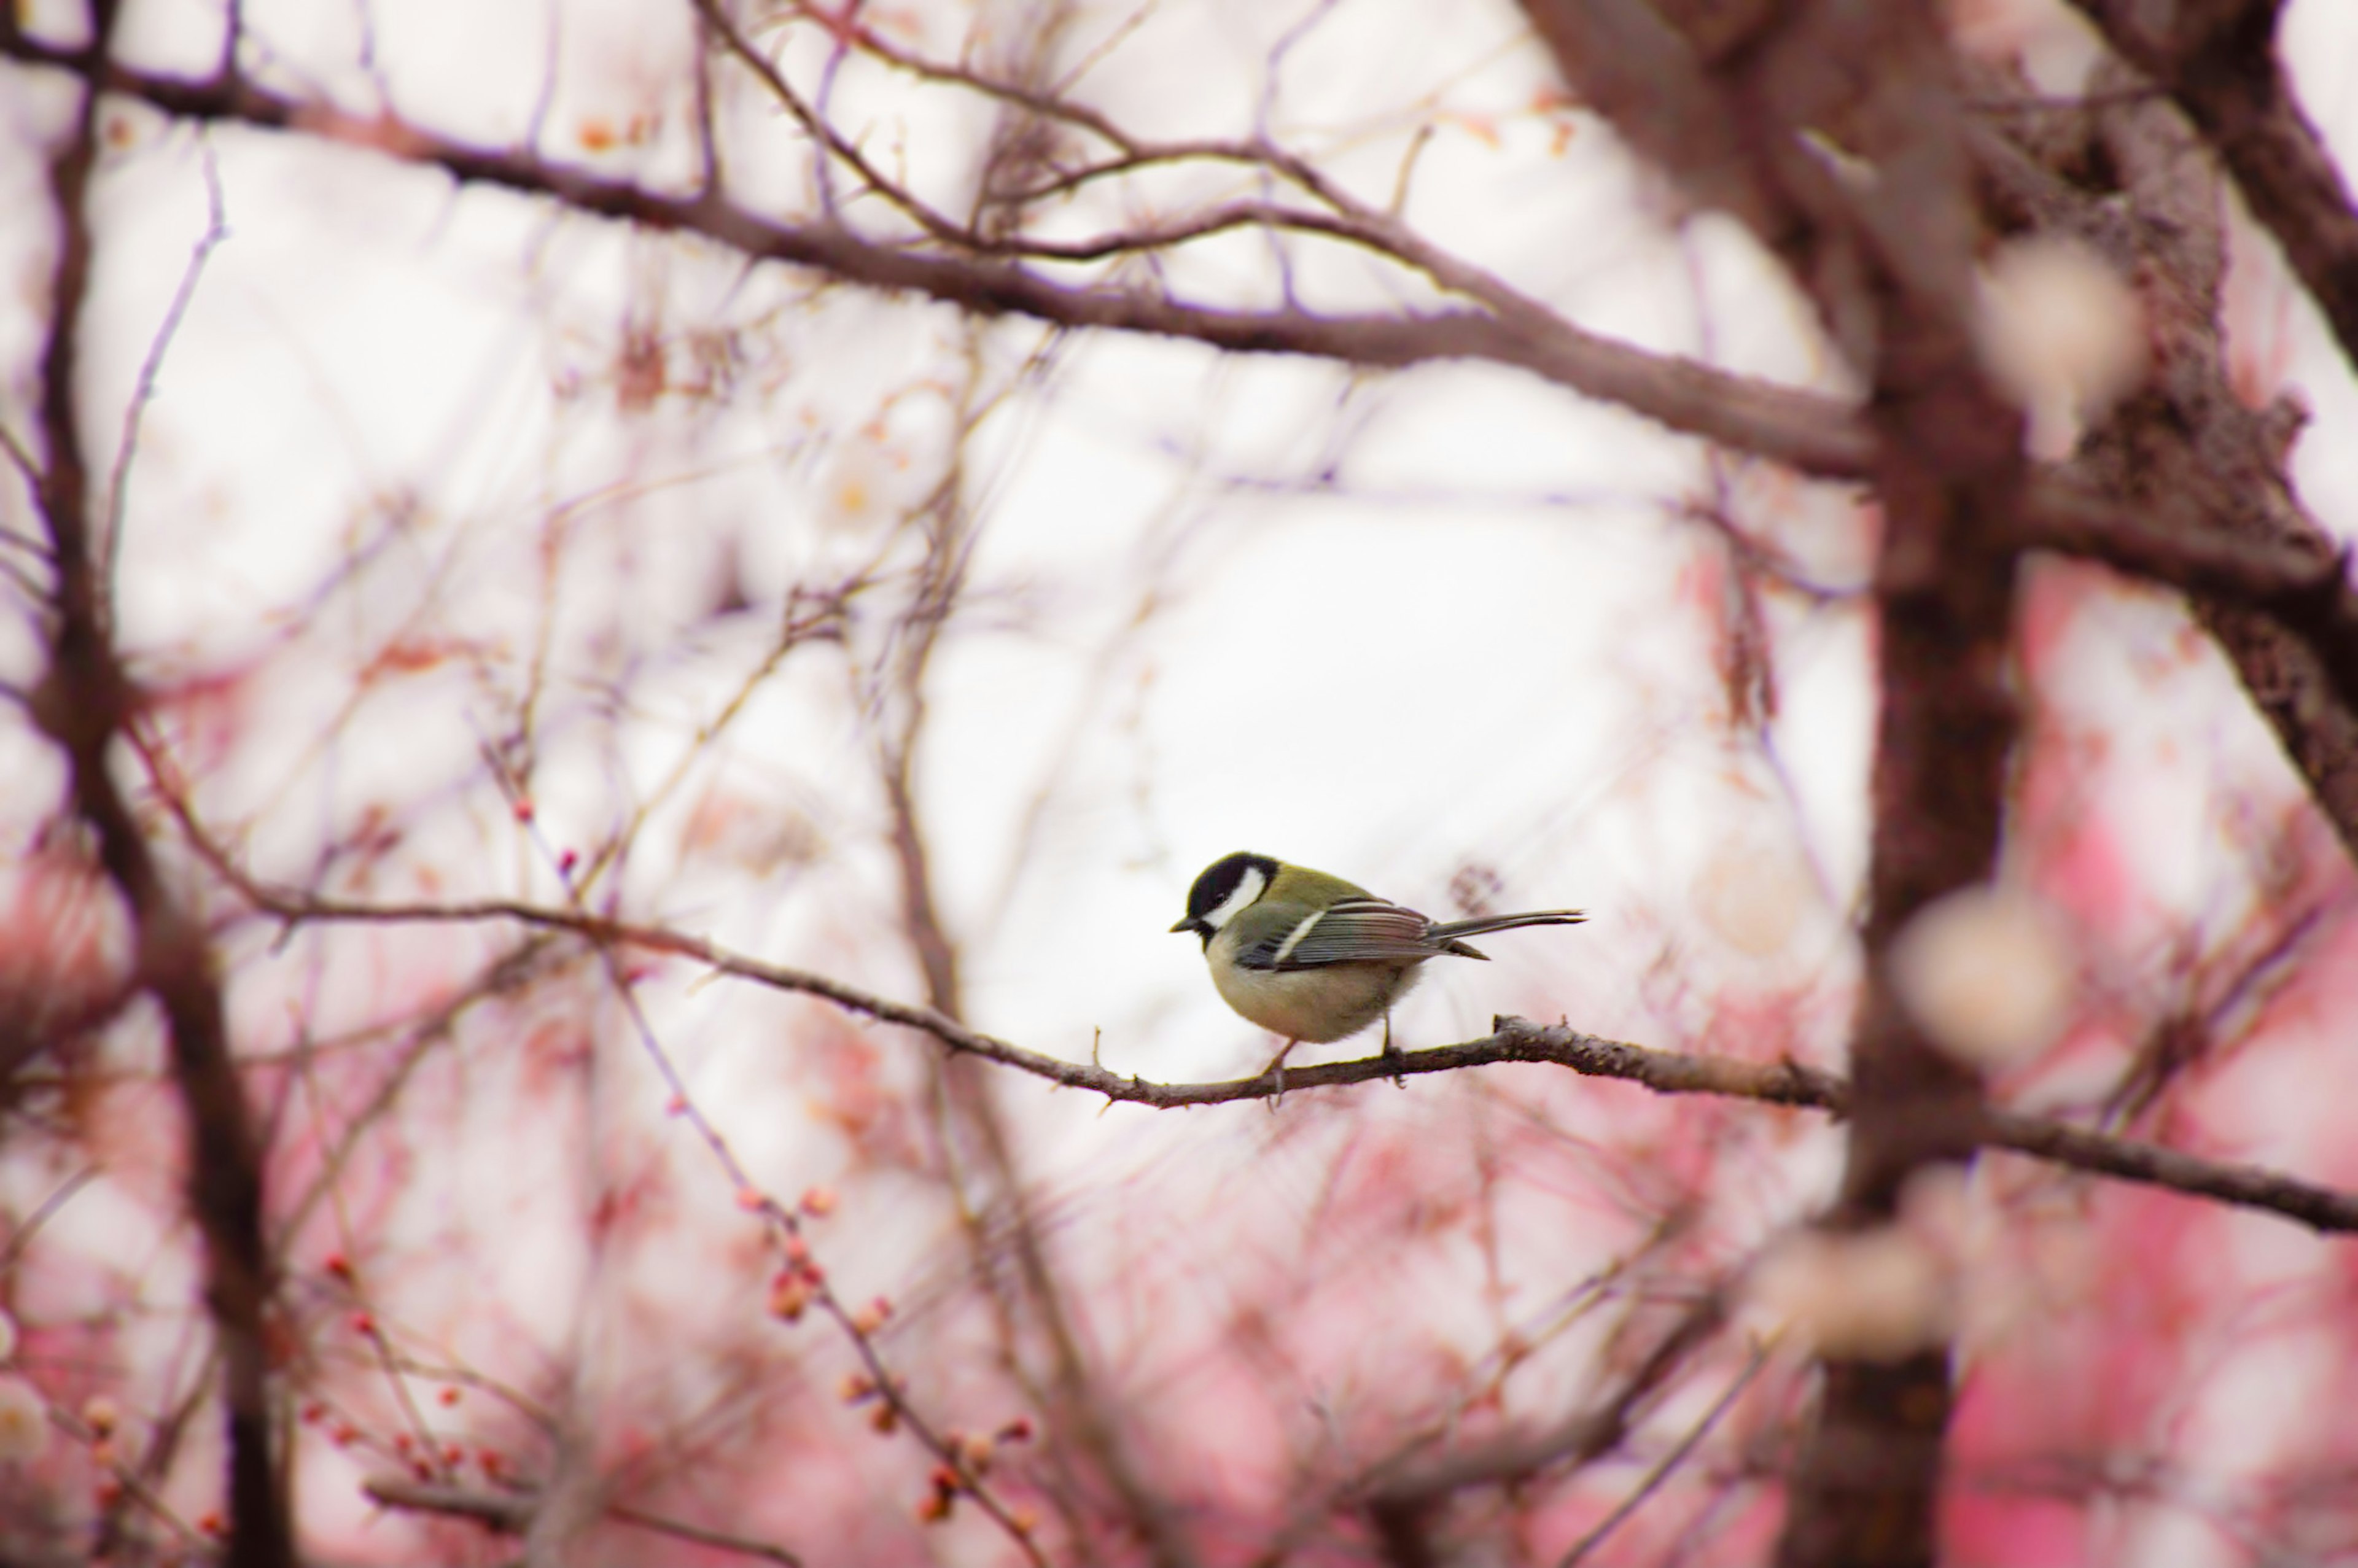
{"type": "Point", "coordinates": [511, 1513]}
{"type": "Point", "coordinates": [2218, 60]}
{"type": "Point", "coordinates": [2190, 445]}
{"type": "Point", "coordinates": [22, 1237]}
{"type": "Point", "coordinates": [1815, 434]}
{"type": "Point", "coordinates": [1399, 1506]}
{"type": "Point", "coordinates": [1669, 1462]}
{"type": "Point", "coordinates": [966, 1093]}
{"type": "Point", "coordinates": [1513, 1040]}
{"type": "Point", "coordinates": [118, 487]}
{"type": "Point", "coordinates": [1834, 133]}
{"type": "Point", "coordinates": [85, 703]}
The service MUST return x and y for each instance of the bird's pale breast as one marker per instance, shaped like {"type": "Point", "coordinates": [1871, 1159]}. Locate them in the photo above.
{"type": "Point", "coordinates": [1314, 1005]}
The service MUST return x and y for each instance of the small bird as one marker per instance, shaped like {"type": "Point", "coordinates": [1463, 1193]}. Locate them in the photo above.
{"type": "Point", "coordinates": [1313, 958]}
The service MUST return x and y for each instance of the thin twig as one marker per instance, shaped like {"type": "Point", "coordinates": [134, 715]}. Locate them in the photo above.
{"type": "Point", "coordinates": [1669, 1462]}
{"type": "Point", "coordinates": [22, 1237]}
{"type": "Point", "coordinates": [143, 392]}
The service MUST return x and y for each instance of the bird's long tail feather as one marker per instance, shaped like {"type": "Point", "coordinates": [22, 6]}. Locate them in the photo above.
{"type": "Point", "coordinates": [1456, 928]}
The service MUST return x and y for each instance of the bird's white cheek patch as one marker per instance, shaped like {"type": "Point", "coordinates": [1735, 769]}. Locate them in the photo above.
{"type": "Point", "coordinates": [1248, 888]}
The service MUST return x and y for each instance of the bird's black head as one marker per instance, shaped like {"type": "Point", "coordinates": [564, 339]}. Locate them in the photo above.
{"type": "Point", "coordinates": [1226, 885]}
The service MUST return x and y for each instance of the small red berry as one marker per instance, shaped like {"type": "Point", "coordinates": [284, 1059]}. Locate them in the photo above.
{"type": "Point", "coordinates": [789, 1297]}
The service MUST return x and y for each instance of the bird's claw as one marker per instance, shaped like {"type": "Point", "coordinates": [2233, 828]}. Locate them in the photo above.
{"type": "Point", "coordinates": [1276, 1069]}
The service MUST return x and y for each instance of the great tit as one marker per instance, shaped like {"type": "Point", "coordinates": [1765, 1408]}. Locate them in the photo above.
{"type": "Point", "coordinates": [1311, 957]}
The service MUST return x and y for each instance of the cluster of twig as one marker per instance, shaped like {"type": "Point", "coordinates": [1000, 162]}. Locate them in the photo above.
{"type": "Point", "coordinates": [2184, 486]}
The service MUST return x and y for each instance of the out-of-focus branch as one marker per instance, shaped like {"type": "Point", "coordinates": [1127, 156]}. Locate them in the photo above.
{"type": "Point", "coordinates": [1817, 435]}
{"type": "Point", "coordinates": [1652, 75]}
{"type": "Point", "coordinates": [2218, 60]}
{"type": "Point", "coordinates": [1399, 1506]}
{"type": "Point", "coordinates": [511, 1513]}
{"type": "Point", "coordinates": [85, 702]}
{"type": "Point", "coordinates": [2170, 542]}
{"type": "Point", "coordinates": [118, 487]}
{"type": "Point", "coordinates": [966, 1093]}
{"type": "Point", "coordinates": [1664, 1467]}
{"type": "Point", "coordinates": [2234, 565]}
{"type": "Point", "coordinates": [2190, 445]}
{"type": "Point", "coordinates": [1835, 133]}
{"type": "Point", "coordinates": [2186, 464]}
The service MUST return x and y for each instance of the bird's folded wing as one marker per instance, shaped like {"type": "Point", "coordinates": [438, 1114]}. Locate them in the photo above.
{"type": "Point", "coordinates": [1354, 931]}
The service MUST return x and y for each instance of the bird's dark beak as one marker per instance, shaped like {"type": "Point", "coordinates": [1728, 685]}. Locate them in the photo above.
{"type": "Point", "coordinates": [1190, 924]}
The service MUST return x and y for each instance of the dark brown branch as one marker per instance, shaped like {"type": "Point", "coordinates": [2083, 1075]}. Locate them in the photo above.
{"type": "Point", "coordinates": [1654, 83]}
{"type": "Point", "coordinates": [2246, 1186]}
{"type": "Point", "coordinates": [2219, 61]}
{"type": "Point", "coordinates": [2170, 542]}
{"type": "Point", "coordinates": [1815, 434]}
{"type": "Point", "coordinates": [84, 703]}
{"type": "Point", "coordinates": [2188, 445]}
{"type": "Point", "coordinates": [1514, 1040]}
{"type": "Point", "coordinates": [1834, 132]}
{"type": "Point", "coordinates": [2186, 458]}
{"type": "Point", "coordinates": [2298, 579]}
